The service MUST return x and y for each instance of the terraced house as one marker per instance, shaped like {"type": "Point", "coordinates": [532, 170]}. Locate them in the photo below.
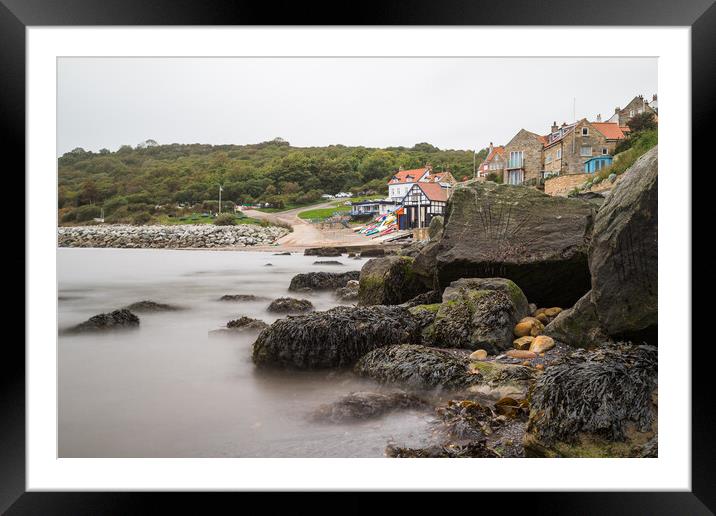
{"type": "Point", "coordinates": [494, 163]}
{"type": "Point", "coordinates": [524, 158]}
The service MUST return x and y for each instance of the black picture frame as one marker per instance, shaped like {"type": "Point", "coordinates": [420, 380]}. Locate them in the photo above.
{"type": "Point", "coordinates": [16, 15]}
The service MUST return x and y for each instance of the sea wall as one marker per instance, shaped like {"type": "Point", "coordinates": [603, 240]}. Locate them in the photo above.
{"type": "Point", "coordinates": [173, 237]}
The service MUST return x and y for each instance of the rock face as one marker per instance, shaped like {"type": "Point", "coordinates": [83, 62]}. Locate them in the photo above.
{"type": "Point", "coordinates": [335, 338]}
{"type": "Point", "coordinates": [477, 313]}
{"type": "Point", "coordinates": [359, 406]}
{"type": "Point", "coordinates": [290, 305]}
{"type": "Point", "coordinates": [435, 229]}
{"type": "Point", "coordinates": [321, 280]}
{"type": "Point", "coordinates": [521, 234]}
{"type": "Point", "coordinates": [623, 263]}
{"type": "Point", "coordinates": [388, 281]}
{"type": "Point", "coordinates": [417, 367]}
{"type": "Point", "coordinates": [117, 320]}
{"type": "Point", "coordinates": [425, 265]}
{"type": "Point", "coordinates": [173, 237]}
{"type": "Point", "coordinates": [595, 404]}
{"type": "Point", "coordinates": [151, 306]}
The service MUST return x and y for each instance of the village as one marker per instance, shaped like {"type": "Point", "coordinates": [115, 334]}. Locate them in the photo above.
{"type": "Point", "coordinates": [557, 163]}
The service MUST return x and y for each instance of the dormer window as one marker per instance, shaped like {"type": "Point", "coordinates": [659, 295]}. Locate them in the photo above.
{"type": "Point", "coordinates": [585, 131]}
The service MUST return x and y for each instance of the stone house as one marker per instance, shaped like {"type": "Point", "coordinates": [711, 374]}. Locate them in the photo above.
{"type": "Point", "coordinates": [636, 106]}
{"type": "Point", "coordinates": [569, 147]}
{"type": "Point", "coordinates": [524, 158]}
{"type": "Point", "coordinates": [494, 163]}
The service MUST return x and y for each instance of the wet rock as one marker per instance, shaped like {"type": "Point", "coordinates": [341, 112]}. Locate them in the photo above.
{"type": "Point", "coordinates": [518, 353]}
{"type": "Point", "coordinates": [374, 252]}
{"type": "Point", "coordinates": [335, 338]}
{"type": "Point", "coordinates": [360, 406]}
{"type": "Point", "coordinates": [498, 380]}
{"type": "Point", "coordinates": [425, 265]}
{"type": "Point", "coordinates": [523, 342]}
{"type": "Point", "coordinates": [528, 326]}
{"type": "Point", "coordinates": [327, 262]}
{"type": "Point", "coordinates": [600, 403]}
{"type": "Point", "coordinates": [290, 305]}
{"type": "Point", "coordinates": [417, 367]}
{"type": "Point", "coordinates": [247, 324]}
{"type": "Point", "coordinates": [240, 297]}
{"type": "Point", "coordinates": [477, 313]}
{"type": "Point", "coordinates": [151, 306]}
{"type": "Point", "coordinates": [117, 320]}
{"type": "Point", "coordinates": [479, 354]}
{"type": "Point", "coordinates": [325, 251]}
{"type": "Point", "coordinates": [426, 298]}
{"type": "Point", "coordinates": [349, 292]}
{"type": "Point", "coordinates": [388, 281]}
{"type": "Point", "coordinates": [435, 229]}
{"type": "Point", "coordinates": [321, 280]}
{"type": "Point", "coordinates": [541, 343]}
{"type": "Point", "coordinates": [475, 449]}
{"type": "Point", "coordinates": [578, 326]}
{"type": "Point", "coordinates": [521, 234]}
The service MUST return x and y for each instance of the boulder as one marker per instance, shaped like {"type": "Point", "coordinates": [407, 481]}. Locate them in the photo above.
{"type": "Point", "coordinates": [426, 298]}
{"type": "Point", "coordinates": [477, 313]}
{"type": "Point", "coordinates": [247, 324]}
{"type": "Point", "coordinates": [335, 338]}
{"type": "Point", "coordinates": [519, 233]}
{"type": "Point", "coordinates": [151, 306]}
{"type": "Point", "coordinates": [388, 281]}
{"type": "Point", "coordinates": [349, 292]}
{"type": "Point", "coordinates": [359, 406]}
{"type": "Point", "coordinates": [595, 404]}
{"type": "Point", "coordinates": [425, 265]}
{"type": "Point", "coordinates": [327, 262]}
{"type": "Point", "coordinates": [374, 252]}
{"type": "Point", "coordinates": [417, 367]}
{"type": "Point", "coordinates": [290, 305]}
{"type": "Point", "coordinates": [325, 251]}
{"type": "Point", "coordinates": [117, 320]}
{"type": "Point", "coordinates": [240, 297]}
{"type": "Point", "coordinates": [623, 301]}
{"type": "Point", "coordinates": [321, 280]}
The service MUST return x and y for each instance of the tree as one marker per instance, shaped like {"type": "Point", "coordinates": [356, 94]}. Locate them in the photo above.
{"type": "Point", "coordinates": [642, 122]}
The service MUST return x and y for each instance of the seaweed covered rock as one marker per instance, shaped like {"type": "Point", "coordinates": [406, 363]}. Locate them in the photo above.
{"type": "Point", "coordinates": [335, 338]}
{"type": "Point", "coordinates": [349, 292]}
{"type": "Point", "coordinates": [417, 367]}
{"type": "Point", "coordinates": [247, 324]}
{"type": "Point", "coordinates": [622, 303]}
{"type": "Point", "coordinates": [388, 281]}
{"type": "Point", "coordinates": [498, 380]}
{"type": "Point", "coordinates": [117, 320]}
{"type": "Point", "coordinates": [521, 234]}
{"type": "Point", "coordinates": [325, 251]}
{"type": "Point", "coordinates": [599, 403]}
{"type": "Point", "coordinates": [151, 306]}
{"type": "Point", "coordinates": [240, 298]}
{"type": "Point", "coordinates": [321, 280]}
{"type": "Point", "coordinates": [477, 313]}
{"type": "Point", "coordinates": [426, 298]}
{"type": "Point", "coordinates": [290, 305]}
{"type": "Point", "coordinates": [359, 406]}
{"type": "Point", "coordinates": [471, 450]}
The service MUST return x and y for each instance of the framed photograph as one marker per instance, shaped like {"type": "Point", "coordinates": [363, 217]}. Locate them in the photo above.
{"type": "Point", "coordinates": [271, 249]}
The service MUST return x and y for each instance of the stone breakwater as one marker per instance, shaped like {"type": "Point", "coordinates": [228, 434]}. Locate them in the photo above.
{"type": "Point", "coordinates": [172, 237]}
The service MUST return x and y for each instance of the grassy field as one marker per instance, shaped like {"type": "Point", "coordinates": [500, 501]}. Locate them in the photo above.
{"type": "Point", "coordinates": [323, 213]}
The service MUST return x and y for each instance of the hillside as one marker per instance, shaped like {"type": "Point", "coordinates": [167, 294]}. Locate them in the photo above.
{"type": "Point", "coordinates": [131, 183]}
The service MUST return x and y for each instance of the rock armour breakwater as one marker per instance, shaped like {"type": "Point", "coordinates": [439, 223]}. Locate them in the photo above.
{"type": "Point", "coordinates": [172, 237]}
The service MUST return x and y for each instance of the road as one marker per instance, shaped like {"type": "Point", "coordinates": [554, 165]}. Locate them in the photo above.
{"type": "Point", "coordinates": [306, 234]}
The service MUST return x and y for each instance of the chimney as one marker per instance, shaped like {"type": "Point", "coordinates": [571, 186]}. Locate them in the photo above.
{"type": "Point", "coordinates": [653, 97]}
{"type": "Point", "coordinates": [491, 148]}
{"type": "Point", "coordinates": [554, 126]}
{"type": "Point", "coordinates": [599, 117]}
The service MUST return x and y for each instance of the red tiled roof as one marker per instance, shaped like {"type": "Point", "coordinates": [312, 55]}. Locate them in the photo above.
{"type": "Point", "coordinates": [433, 191]}
{"type": "Point", "coordinates": [437, 177]}
{"type": "Point", "coordinates": [543, 139]}
{"type": "Point", "coordinates": [495, 151]}
{"type": "Point", "coordinates": [407, 176]}
{"type": "Point", "coordinates": [610, 130]}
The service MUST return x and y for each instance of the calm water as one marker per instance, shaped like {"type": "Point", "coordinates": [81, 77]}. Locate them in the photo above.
{"type": "Point", "coordinates": [169, 389]}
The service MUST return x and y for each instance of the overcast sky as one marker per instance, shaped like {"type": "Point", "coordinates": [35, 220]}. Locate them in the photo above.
{"type": "Point", "coordinates": [453, 103]}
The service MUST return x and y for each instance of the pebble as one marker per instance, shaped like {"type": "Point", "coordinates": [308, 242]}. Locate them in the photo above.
{"type": "Point", "coordinates": [479, 354]}
{"type": "Point", "coordinates": [529, 326]}
{"type": "Point", "coordinates": [523, 342]}
{"type": "Point", "coordinates": [518, 353]}
{"type": "Point", "coordinates": [541, 344]}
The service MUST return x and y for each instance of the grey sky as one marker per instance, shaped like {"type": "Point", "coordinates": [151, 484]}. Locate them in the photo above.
{"type": "Point", "coordinates": [453, 103]}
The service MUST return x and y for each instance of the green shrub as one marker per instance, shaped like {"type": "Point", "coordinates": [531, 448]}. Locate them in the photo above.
{"type": "Point", "coordinates": [225, 219]}
{"type": "Point", "coordinates": [87, 212]}
{"type": "Point", "coordinates": [141, 218]}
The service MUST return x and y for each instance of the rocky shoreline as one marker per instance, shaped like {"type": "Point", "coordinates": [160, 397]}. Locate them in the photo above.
{"type": "Point", "coordinates": [169, 237]}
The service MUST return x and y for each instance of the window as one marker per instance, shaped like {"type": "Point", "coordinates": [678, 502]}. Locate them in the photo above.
{"type": "Point", "coordinates": [548, 159]}
{"type": "Point", "coordinates": [585, 151]}
{"type": "Point", "coordinates": [631, 112]}
{"type": "Point", "coordinates": [515, 177]}
{"type": "Point", "coordinates": [515, 159]}
{"type": "Point", "coordinates": [559, 153]}
{"type": "Point", "coordinates": [585, 131]}
{"type": "Point", "coordinates": [605, 151]}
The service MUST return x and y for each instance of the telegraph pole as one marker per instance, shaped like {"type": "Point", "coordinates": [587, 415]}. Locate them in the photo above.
{"type": "Point", "coordinates": [219, 199]}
